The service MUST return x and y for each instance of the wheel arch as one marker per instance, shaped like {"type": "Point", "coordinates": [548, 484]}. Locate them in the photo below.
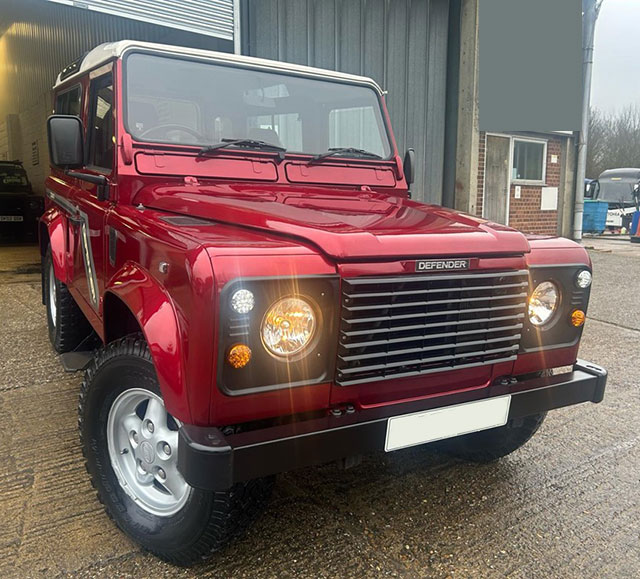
{"type": "Point", "coordinates": [134, 302]}
{"type": "Point", "coordinates": [52, 233]}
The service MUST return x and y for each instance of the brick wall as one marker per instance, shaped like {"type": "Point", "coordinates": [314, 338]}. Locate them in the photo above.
{"type": "Point", "coordinates": [525, 213]}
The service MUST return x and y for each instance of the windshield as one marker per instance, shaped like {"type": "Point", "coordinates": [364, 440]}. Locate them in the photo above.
{"type": "Point", "coordinates": [172, 100]}
{"type": "Point", "coordinates": [617, 189]}
{"type": "Point", "coordinates": [13, 176]}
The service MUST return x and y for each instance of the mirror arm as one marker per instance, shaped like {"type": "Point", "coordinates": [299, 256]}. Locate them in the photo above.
{"type": "Point", "coordinates": [99, 180]}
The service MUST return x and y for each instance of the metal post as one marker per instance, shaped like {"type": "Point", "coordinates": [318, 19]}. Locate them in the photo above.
{"type": "Point", "coordinates": [591, 8]}
{"type": "Point", "coordinates": [237, 28]}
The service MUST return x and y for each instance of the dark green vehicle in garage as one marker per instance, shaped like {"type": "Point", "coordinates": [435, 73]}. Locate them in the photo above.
{"type": "Point", "coordinates": [20, 208]}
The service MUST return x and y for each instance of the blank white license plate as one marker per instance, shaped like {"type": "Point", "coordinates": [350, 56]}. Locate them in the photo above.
{"type": "Point", "coordinates": [441, 423]}
{"type": "Point", "coordinates": [11, 218]}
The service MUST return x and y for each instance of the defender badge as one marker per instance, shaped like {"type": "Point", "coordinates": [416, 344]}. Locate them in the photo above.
{"type": "Point", "coordinates": [441, 264]}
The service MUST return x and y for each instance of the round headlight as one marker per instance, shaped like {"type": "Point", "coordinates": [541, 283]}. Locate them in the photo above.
{"type": "Point", "coordinates": [242, 301]}
{"type": "Point", "coordinates": [288, 326]}
{"type": "Point", "coordinates": [583, 279]}
{"type": "Point", "coordinates": [543, 303]}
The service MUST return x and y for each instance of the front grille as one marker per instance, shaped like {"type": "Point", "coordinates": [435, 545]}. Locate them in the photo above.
{"type": "Point", "coordinates": [394, 327]}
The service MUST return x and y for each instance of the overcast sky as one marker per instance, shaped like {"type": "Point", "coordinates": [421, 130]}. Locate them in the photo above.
{"type": "Point", "coordinates": [616, 63]}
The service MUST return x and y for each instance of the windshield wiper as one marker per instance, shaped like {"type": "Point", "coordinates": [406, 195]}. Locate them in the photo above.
{"type": "Point", "coordinates": [340, 150]}
{"type": "Point", "coordinates": [242, 143]}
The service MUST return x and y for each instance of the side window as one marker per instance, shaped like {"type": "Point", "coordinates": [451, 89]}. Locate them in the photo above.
{"type": "Point", "coordinates": [68, 102]}
{"type": "Point", "coordinates": [100, 133]}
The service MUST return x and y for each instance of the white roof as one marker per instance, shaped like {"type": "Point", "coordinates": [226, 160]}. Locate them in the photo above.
{"type": "Point", "coordinates": [106, 52]}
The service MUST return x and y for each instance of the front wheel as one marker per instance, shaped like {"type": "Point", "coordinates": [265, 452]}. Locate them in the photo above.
{"type": "Point", "coordinates": [130, 443]}
{"type": "Point", "coordinates": [68, 327]}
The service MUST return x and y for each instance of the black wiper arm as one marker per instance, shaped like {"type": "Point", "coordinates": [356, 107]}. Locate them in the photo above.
{"type": "Point", "coordinates": [242, 143]}
{"type": "Point", "coordinates": [340, 150]}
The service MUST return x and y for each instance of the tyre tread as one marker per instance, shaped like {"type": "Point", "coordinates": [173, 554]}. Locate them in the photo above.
{"type": "Point", "coordinates": [72, 327]}
{"type": "Point", "coordinates": [232, 511]}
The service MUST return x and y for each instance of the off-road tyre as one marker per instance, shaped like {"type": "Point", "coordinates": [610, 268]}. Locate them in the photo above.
{"type": "Point", "coordinates": [70, 327]}
{"type": "Point", "coordinates": [208, 521]}
{"type": "Point", "coordinates": [489, 445]}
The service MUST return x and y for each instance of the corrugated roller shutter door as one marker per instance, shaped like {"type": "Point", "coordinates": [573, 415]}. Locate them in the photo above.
{"type": "Point", "coordinates": [209, 17]}
{"type": "Point", "coordinates": [402, 44]}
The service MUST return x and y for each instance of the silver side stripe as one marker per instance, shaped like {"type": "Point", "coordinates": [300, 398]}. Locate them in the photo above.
{"type": "Point", "coordinates": [62, 202]}
{"type": "Point", "coordinates": [82, 219]}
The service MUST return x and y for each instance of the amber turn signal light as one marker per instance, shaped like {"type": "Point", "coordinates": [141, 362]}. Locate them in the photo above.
{"type": "Point", "coordinates": [239, 356]}
{"type": "Point", "coordinates": [577, 318]}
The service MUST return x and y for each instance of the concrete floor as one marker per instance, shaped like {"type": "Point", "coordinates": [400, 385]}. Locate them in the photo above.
{"type": "Point", "coordinates": [565, 505]}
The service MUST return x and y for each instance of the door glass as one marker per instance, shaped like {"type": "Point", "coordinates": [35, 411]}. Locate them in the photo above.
{"type": "Point", "coordinates": [68, 102]}
{"type": "Point", "coordinates": [101, 138]}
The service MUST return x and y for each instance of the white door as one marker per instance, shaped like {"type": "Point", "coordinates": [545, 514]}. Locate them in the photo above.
{"type": "Point", "coordinates": [496, 179]}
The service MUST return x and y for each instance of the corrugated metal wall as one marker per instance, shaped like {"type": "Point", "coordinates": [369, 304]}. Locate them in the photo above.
{"type": "Point", "coordinates": [402, 44]}
{"type": "Point", "coordinates": [4, 141]}
{"type": "Point", "coordinates": [42, 38]}
{"type": "Point", "coordinates": [39, 39]}
{"type": "Point", "coordinates": [210, 17]}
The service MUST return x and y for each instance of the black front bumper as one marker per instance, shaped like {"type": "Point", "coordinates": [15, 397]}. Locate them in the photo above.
{"type": "Point", "coordinates": [210, 460]}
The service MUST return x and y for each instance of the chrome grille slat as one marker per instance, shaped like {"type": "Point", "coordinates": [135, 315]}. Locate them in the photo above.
{"type": "Point", "coordinates": [435, 277]}
{"type": "Point", "coordinates": [433, 302]}
{"type": "Point", "coordinates": [432, 336]}
{"type": "Point", "coordinates": [431, 359]}
{"type": "Point", "coordinates": [450, 346]}
{"type": "Point", "coordinates": [424, 323]}
{"type": "Point", "coordinates": [439, 290]}
{"type": "Point", "coordinates": [433, 314]}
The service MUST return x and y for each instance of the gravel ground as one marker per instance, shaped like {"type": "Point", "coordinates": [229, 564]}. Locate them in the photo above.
{"type": "Point", "coordinates": [565, 505]}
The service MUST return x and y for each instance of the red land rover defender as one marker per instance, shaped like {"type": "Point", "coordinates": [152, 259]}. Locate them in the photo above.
{"type": "Point", "coordinates": [239, 236]}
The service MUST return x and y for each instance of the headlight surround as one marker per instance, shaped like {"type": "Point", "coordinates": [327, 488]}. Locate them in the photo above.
{"type": "Point", "coordinates": [309, 354]}
{"type": "Point", "coordinates": [558, 331]}
{"type": "Point", "coordinates": [543, 303]}
{"type": "Point", "coordinates": [289, 326]}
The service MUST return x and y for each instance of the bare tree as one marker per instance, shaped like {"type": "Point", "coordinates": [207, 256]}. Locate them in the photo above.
{"type": "Point", "coordinates": [597, 152]}
{"type": "Point", "coordinates": [614, 140]}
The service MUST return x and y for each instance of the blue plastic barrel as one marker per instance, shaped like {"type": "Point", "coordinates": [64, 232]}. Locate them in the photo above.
{"type": "Point", "coordinates": [594, 219]}
{"type": "Point", "coordinates": [634, 223]}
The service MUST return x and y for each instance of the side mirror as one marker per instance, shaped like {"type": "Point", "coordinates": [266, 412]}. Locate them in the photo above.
{"type": "Point", "coordinates": [409, 166]}
{"type": "Point", "coordinates": [636, 190]}
{"type": "Point", "coordinates": [588, 190]}
{"type": "Point", "coordinates": [66, 149]}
